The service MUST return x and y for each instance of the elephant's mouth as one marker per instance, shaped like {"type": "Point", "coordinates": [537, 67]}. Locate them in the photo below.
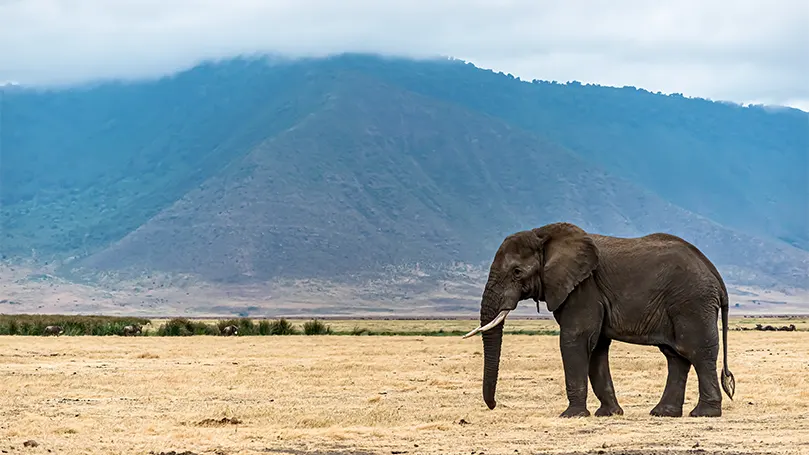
{"type": "Point", "coordinates": [497, 320]}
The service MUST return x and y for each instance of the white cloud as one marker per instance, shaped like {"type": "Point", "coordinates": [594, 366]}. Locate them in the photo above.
{"type": "Point", "coordinates": [740, 50]}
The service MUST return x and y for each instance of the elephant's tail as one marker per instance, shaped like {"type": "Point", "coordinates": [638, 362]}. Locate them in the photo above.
{"type": "Point", "coordinates": [728, 381]}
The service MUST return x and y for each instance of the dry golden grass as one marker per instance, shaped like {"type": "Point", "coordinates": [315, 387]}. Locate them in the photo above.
{"type": "Point", "coordinates": [82, 395]}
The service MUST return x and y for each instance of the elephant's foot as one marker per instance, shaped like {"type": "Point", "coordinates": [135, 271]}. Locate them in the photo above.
{"type": "Point", "coordinates": [667, 410]}
{"type": "Point", "coordinates": [575, 412]}
{"type": "Point", "coordinates": [706, 410]}
{"type": "Point", "coordinates": [609, 410]}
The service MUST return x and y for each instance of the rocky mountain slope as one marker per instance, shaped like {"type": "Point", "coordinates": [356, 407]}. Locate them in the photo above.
{"type": "Point", "coordinates": [241, 172]}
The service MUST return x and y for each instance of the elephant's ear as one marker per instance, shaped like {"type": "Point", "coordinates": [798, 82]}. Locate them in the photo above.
{"type": "Point", "coordinates": [570, 257]}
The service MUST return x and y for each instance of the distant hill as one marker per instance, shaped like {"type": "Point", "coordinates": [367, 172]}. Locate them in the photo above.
{"type": "Point", "coordinates": [243, 171]}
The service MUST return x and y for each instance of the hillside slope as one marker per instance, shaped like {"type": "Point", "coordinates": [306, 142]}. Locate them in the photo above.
{"type": "Point", "coordinates": [745, 167]}
{"type": "Point", "coordinates": [242, 170]}
{"type": "Point", "coordinates": [382, 176]}
{"type": "Point", "coordinates": [83, 167]}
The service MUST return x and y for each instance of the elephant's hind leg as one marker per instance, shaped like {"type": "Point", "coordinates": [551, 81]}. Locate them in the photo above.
{"type": "Point", "coordinates": [710, 397]}
{"type": "Point", "coordinates": [699, 343]}
{"type": "Point", "coordinates": [601, 379]}
{"type": "Point", "coordinates": [671, 403]}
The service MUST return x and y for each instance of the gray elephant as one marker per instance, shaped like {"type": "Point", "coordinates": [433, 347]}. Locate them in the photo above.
{"type": "Point", "coordinates": [230, 330]}
{"type": "Point", "coordinates": [54, 330]}
{"type": "Point", "coordinates": [656, 290]}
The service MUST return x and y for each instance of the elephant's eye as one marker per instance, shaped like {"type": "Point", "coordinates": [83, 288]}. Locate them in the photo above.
{"type": "Point", "coordinates": [517, 272]}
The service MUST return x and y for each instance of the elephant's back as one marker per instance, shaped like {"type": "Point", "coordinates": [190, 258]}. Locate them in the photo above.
{"type": "Point", "coordinates": [664, 258]}
{"type": "Point", "coordinates": [659, 244]}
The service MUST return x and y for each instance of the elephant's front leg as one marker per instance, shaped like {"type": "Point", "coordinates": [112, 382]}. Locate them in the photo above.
{"type": "Point", "coordinates": [576, 350]}
{"type": "Point", "coordinates": [601, 379]}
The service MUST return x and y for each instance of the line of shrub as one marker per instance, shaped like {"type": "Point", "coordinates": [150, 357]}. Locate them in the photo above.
{"type": "Point", "coordinates": [34, 324]}
{"type": "Point", "coordinates": [112, 325]}
{"type": "Point", "coordinates": [246, 326]}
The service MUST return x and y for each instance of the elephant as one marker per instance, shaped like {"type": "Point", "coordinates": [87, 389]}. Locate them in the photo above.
{"type": "Point", "coordinates": [657, 290]}
{"type": "Point", "coordinates": [53, 330]}
{"type": "Point", "coordinates": [131, 330]}
{"type": "Point", "coordinates": [230, 330]}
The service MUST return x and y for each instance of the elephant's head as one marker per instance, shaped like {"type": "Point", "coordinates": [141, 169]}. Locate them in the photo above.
{"type": "Point", "coordinates": [541, 264]}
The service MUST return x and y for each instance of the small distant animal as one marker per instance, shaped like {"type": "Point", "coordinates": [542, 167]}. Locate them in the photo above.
{"type": "Point", "coordinates": [54, 330]}
{"type": "Point", "coordinates": [131, 330]}
{"type": "Point", "coordinates": [769, 328]}
{"type": "Point", "coordinates": [230, 330]}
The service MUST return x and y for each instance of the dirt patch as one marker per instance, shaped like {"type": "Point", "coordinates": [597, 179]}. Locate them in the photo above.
{"type": "Point", "coordinates": [219, 423]}
{"type": "Point", "coordinates": [172, 452]}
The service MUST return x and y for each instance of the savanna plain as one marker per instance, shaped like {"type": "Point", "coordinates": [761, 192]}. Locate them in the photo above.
{"type": "Point", "coordinates": [380, 394]}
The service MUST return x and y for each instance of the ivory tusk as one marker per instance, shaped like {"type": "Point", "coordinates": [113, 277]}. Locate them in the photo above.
{"type": "Point", "coordinates": [488, 326]}
{"type": "Point", "coordinates": [472, 333]}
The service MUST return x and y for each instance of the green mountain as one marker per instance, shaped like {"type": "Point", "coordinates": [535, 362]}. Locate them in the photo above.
{"type": "Point", "coordinates": [242, 170]}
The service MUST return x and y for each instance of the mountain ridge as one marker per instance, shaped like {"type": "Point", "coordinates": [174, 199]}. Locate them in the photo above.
{"type": "Point", "coordinates": [583, 118]}
{"type": "Point", "coordinates": [358, 104]}
{"type": "Point", "coordinates": [243, 171]}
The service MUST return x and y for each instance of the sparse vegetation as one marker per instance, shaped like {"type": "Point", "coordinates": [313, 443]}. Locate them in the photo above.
{"type": "Point", "coordinates": [34, 324]}
{"type": "Point", "coordinates": [282, 327]}
{"type": "Point", "coordinates": [245, 325]}
{"type": "Point", "coordinates": [357, 330]}
{"type": "Point", "coordinates": [264, 327]}
{"type": "Point", "coordinates": [101, 325]}
{"type": "Point", "coordinates": [28, 325]}
{"type": "Point", "coordinates": [181, 327]}
{"type": "Point", "coordinates": [316, 327]}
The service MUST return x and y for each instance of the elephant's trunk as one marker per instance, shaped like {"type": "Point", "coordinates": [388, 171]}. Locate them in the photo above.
{"type": "Point", "coordinates": [491, 305]}
{"type": "Point", "coordinates": [492, 342]}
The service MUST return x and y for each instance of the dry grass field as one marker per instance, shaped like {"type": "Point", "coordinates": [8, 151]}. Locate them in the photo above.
{"type": "Point", "coordinates": [376, 394]}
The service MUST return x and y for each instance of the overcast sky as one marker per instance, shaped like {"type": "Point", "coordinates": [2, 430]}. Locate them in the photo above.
{"type": "Point", "coordinates": [736, 50]}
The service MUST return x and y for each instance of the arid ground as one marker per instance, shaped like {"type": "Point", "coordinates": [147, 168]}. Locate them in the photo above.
{"type": "Point", "coordinates": [376, 394]}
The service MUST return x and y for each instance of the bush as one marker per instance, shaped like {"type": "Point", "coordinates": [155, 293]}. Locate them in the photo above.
{"type": "Point", "coordinates": [316, 328]}
{"type": "Point", "coordinates": [264, 327]}
{"type": "Point", "coordinates": [282, 327]}
{"type": "Point", "coordinates": [182, 327]}
{"type": "Point", "coordinates": [245, 325]}
{"type": "Point", "coordinates": [11, 328]}
{"type": "Point", "coordinates": [357, 330]}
